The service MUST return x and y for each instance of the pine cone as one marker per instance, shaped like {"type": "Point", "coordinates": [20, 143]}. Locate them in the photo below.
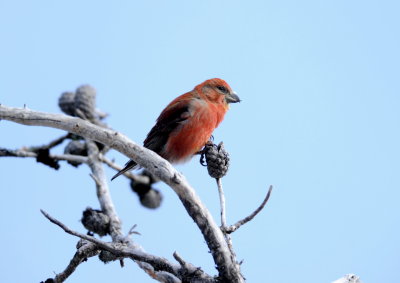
{"type": "Point", "coordinates": [66, 102]}
{"type": "Point", "coordinates": [96, 221]}
{"type": "Point", "coordinates": [85, 102]}
{"type": "Point", "coordinates": [217, 159]}
{"type": "Point", "coordinates": [106, 256]}
{"type": "Point", "coordinates": [148, 196]}
{"type": "Point", "coordinates": [77, 148]}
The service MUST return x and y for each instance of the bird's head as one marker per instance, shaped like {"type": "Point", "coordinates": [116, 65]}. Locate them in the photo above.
{"type": "Point", "coordinates": [217, 91]}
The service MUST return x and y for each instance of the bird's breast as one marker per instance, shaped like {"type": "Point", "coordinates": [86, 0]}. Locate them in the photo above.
{"type": "Point", "coordinates": [194, 132]}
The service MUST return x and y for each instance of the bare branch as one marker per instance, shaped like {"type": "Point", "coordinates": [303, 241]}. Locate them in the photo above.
{"type": "Point", "coordinates": [51, 144]}
{"type": "Point", "coordinates": [132, 231]}
{"type": "Point", "coordinates": [16, 153]}
{"type": "Point", "coordinates": [25, 153]}
{"type": "Point", "coordinates": [223, 217]}
{"type": "Point", "coordinates": [227, 267]}
{"type": "Point", "coordinates": [4, 152]}
{"type": "Point", "coordinates": [118, 249]}
{"type": "Point", "coordinates": [107, 206]}
{"type": "Point", "coordinates": [126, 250]}
{"type": "Point", "coordinates": [237, 225]}
{"type": "Point", "coordinates": [103, 193]}
{"type": "Point", "coordinates": [221, 202]}
{"type": "Point", "coordinates": [192, 271]}
{"type": "Point", "coordinates": [85, 251]}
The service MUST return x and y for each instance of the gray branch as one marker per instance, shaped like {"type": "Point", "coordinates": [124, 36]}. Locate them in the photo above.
{"type": "Point", "coordinates": [27, 153]}
{"type": "Point", "coordinates": [125, 250]}
{"type": "Point", "coordinates": [51, 144]}
{"type": "Point", "coordinates": [221, 202]}
{"type": "Point", "coordinates": [228, 268]}
{"type": "Point", "coordinates": [85, 251]}
{"type": "Point", "coordinates": [107, 206]}
{"type": "Point", "coordinates": [103, 193]}
{"type": "Point", "coordinates": [234, 227]}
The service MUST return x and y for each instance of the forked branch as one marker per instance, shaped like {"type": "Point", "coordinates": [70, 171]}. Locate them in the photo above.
{"type": "Point", "coordinates": [237, 225]}
{"type": "Point", "coordinates": [229, 270]}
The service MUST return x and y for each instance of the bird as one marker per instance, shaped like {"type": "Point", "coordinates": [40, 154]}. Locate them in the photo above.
{"type": "Point", "coordinates": [188, 121]}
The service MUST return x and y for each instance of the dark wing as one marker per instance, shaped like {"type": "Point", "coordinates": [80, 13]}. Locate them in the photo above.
{"type": "Point", "coordinates": [168, 121]}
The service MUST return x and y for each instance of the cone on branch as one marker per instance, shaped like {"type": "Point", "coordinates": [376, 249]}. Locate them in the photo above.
{"type": "Point", "coordinates": [85, 102]}
{"type": "Point", "coordinates": [66, 102]}
{"type": "Point", "coordinates": [217, 159]}
{"type": "Point", "coordinates": [75, 147]}
{"type": "Point", "coordinates": [81, 103]}
{"type": "Point", "coordinates": [96, 221]}
{"type": "Point", "coordinates": [148, 196]}
{"type": "Point", "coordinates": [107, 257]}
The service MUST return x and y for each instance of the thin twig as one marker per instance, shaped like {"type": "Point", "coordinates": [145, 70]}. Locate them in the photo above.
{"type": "Point", "coordinates": [98, 242]}
{"type": "Point", "coordinates": [223, 217]}
{"type": "Point", "coordinates": [132, 231]}
{"type": "Point", "coordinates": [179, 259]}
{"type": "Point", "coordinates": [52, 144]}
{"type": "Point", "coordinates": [87, 250]}
{"type": "Point", "coordinates": [4, 152]}
{"type": "Point", "coordinates": [103, 193]}
{"type": "Point", "coordinates": [27, 153]}
{"type": "Point", "coordinates": [237, 225]}
{"type": "Point", "coordinates": [158, 265]}
{"type": "Point", "coordinates": [118, 249]}
{"type": "Point", "coordinates": [222, 203]}
{"type": "Point", "coordinates": [192, 271]}
{"type": "Point", "coordinates": [16, 153]}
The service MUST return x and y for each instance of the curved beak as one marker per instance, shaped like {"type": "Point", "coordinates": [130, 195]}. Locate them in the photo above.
{"type": "Point", "coordinates": [232, 97]}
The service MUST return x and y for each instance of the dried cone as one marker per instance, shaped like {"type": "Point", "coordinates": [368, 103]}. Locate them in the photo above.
{"type": "Point", "coordinates": [66, 102]}
{"type": "Point", "coordinates": [85, 102]}
{"type": "Point", "coordinates": [106, 256]}
{"type": "Point", "coordinates": [148, 196]}
{"type": "Point", "coordinates": [96, 221]}
{"type": "Point", "coordinates": [152, 199]}
{"type": "Point", "coordinates": [217, 159]}
{"type": "Point", "coordinates": [77, 148]}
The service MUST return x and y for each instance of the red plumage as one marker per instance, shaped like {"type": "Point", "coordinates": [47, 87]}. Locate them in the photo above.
{"type": "Point", "coordinates": [186, 124]}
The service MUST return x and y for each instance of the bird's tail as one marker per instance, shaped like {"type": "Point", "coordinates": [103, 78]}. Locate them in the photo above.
{"type": "Point", "coordinates": [128, 166]}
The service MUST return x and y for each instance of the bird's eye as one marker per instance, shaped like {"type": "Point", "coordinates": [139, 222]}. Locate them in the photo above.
{"type": "Point", "coordinates": [222, 89]}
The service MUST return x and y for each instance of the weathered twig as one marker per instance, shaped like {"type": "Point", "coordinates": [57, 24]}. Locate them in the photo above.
{"type": "Point", "coordinates": [132, 231]}
{"type": "Point", "coordinates": [106, 203]}
{"type": "Point", "coordinates": [4, 152]}
{"type": "Point", "coordinates": [25, 153]}
{"type": "Point", "coordinates": [126, 250]}
{"type": "Point", "coordinates": [234, 227]}
{"type": "Point", "coordinates": [103, 193]}
{"type": "Point", "coordinates": [223, 217]}
{"type": "Point", "coordinates": [51, 144]}
{"type": "Point", "coordinates": [107, 207]}
{"type": "Point", "coordinates": [85, 251]}
{"type": "Point", "coordinates": [222, 203]}
{"type": "Point", "coordinates": [192, 272]}
{"type": "Point", "coordinates": [228, 269]}
{"type": "Point", "coordinates": [118, 249]}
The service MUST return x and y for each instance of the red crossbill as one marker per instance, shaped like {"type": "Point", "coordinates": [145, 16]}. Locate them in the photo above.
{"type": "Point", "coordinates": [186, 124]}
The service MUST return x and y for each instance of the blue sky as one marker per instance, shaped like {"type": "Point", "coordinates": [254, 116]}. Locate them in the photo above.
{"type": "Point", "coordinates": [319, 120]}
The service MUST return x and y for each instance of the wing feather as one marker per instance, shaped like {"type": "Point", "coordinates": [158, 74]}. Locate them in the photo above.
{"type": "Point", "coordinates": [169, 120]}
